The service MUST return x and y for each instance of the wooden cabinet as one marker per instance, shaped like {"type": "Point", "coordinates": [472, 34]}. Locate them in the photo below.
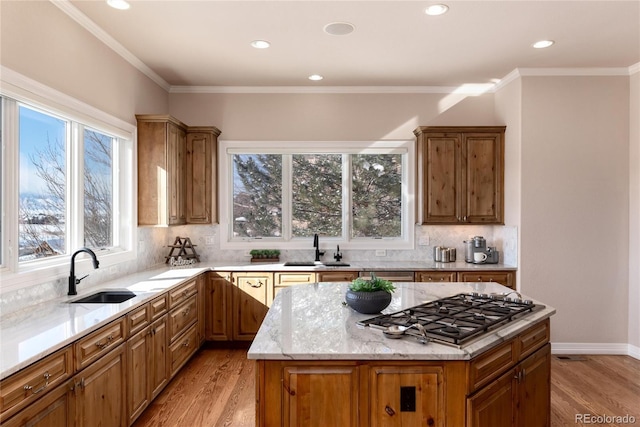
{"type": "Point", "coordinates": [161, 170]}
{"type": "Point", "coordinates": [505, 278]}
{"type": "Point", "coordinates": [308, 391]}
{"type": "Point", "coordinates": [218, 316]}
{"type": "Point", "coordinates": [182, 325]}
{"type": "Point", "coordinates": [436, 276]}
{"type": "Point", "coordinates": [461, 172]}
{"type": "Point", "coordinates": [394, 276]}
{"type": "Point", "coordinates": [52, 410]}
{"type": "Point", "coordinates": [406, 396]}
{"type": "Point", "coordinates": [250, 303]}
{"type": "Point", "coordinates": [520, 397]}
{"type": "Point", "coordinates": [100, 391]}
{"type": "Point", "coordinates": [201, 177]}
{"type": "Point", "coordinates": [337, 276]}
{"type": "Point", "coordinates": [282, 280]}
{"type": "Point", "coordinates": [97, 344]}
{"type": "Point", "coordinates": [30, 384]}
{"type": "Point", "coordinates": [147, 372]}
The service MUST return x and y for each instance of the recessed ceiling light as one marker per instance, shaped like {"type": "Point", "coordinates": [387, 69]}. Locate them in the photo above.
{"type": "Point", "coordinates": [543, 43]}
{"type": "Point", "coordinates": [118, 4]}
{"type": "Point", "coordinates": [436, 9]}
{"type": "Point", "coordinates": [260, 44]}
{"type": "Point", "coordinates": [315, 77]}
{"type": "Point", "coordinates": [339, 28]}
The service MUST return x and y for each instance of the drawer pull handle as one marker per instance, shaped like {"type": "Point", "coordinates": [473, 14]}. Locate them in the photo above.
{"type": "Point", "coordinates": [257, 285]}
{"type": "Point", "coordinates": [104, 345]}
{"type": "Point", "coordinates": [185, 311]}
{"type": "Point", "coordinates": [186, 343]}
{"type": "Point", "coordinates": [430, 279]}
{"type": "Point", "coordinates": [389, 410]}
{"type": "Point", "coordinates": [185, 293]}
{"type": "Point", "coordinates": [46, 377]}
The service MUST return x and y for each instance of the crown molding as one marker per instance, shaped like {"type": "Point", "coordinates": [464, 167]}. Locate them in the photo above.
{"type": "Point", "coordinates": [575, 72]}
{"type": "Point", "coordinates": [103, 36]}
{"type": "Point", "coordinates": [470, 89]}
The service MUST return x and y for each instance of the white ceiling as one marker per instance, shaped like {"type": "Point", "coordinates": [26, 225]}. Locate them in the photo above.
{"type": "Point", "coordinates": [206, 43]}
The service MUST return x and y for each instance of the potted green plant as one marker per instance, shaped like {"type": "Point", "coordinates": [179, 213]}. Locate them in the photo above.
{"type": "Point", "coordinates": [369, 296]}
{"type": "Point", "coordinates": [264, 255]}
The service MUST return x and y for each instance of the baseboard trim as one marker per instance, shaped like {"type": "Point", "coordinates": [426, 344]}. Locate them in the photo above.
{"type": "Point", "coordinates": [596, 348]}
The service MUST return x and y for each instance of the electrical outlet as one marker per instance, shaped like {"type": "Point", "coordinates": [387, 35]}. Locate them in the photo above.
{"type": "Point", "coordinates": [209, 240]}
{"type": "Point", "coordinates": [423, 240]}
{"type": "Point", "coordinates": [381, 252]}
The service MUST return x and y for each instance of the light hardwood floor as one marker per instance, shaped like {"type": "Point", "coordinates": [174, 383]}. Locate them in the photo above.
{"type": "Point", "coordinates": [216, 388]}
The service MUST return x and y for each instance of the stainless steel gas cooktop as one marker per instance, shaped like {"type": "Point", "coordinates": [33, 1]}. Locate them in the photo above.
{"type": "Point", "coordinates": [454, 320]}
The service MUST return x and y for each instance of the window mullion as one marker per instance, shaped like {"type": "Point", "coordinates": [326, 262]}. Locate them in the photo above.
{"type": "Point", "coordinates": [347, 214]}
{"type": "Point", "coordinates": [75, 187]}
{"type": "Point", "coordinates": [287, 193]}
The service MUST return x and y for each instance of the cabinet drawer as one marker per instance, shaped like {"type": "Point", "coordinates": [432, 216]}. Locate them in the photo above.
{"type": "Point", "coordinates": [24, 387]}
{"type": "Point", "coordinates": [435, 276]}
{"type": "Point", "coordinates": [138, 319]}
{"type": "Point", "coordinates": [337, 276]}
{"type": "Point", "coordinates": [180, 318]}
{"type": "Point", "coordinates": [93, 346]}
{"type": "Point", "coordinates": [182, 349]}
{"type": "Point", "coordinates": [158, 307]}
{"type": "Point", "coordinates": [490, 365]}
{"type": "Point", "coordinates": [533, 338]}
{"type": "Point", "coordinates": [394, 276]}
{"type": "Point", "coordinates": [286, 279]}
{"type": "Point", "coordinates": [181, 293]}
{"type": "Point", "coordinates": [505, 278]}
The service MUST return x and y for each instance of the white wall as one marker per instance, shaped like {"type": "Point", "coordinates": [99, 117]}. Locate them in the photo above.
{"type": "Point", "coordinates": [634, 212]}
{"type": "Point", "coordinates": [41, 42]}
{"type": "Point", "coordinates": [575, 204]}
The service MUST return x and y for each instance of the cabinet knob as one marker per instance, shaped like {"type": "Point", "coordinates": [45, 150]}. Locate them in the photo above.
{"type": "Point", "coordinates": [185, 311]}
{"type": "Point", "coordinates": [255, 285]}
{"type": "Point", "coordinates": [103, 345]}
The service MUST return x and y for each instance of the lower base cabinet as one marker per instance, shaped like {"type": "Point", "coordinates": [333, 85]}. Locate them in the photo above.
{"type": "Point", "coordinates": [53, 410]}
{"type": "Point", "coordinates": [100, 391]}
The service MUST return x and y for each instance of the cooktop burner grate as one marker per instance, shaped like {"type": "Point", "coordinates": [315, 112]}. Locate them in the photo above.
{"type": "Point", "coordinates": [457, 319]}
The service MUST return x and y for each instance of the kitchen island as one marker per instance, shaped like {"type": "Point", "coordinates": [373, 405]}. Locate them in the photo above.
{"type": "Point", "coordinates": [317, 367]}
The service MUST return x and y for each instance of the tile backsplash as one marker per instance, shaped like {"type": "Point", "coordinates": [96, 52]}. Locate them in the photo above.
{"type": "Point", "coordinates": [153, 241]}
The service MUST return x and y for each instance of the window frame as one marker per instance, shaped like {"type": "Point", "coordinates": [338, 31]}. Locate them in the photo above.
{"type": "Point", "coordinates": [226, 148]}
{"type": "Point", "coordinates": [18, 90]}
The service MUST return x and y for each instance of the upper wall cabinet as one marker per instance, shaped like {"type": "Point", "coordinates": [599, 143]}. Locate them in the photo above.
{"type": "Point", "coordinates": [461, 172]}
{"type": "Point", "coordinates": [162, 148]}
{"type": "Point", "coordinates": [175, 171]}
{"type": "Point", "coordinates": [202, 147]}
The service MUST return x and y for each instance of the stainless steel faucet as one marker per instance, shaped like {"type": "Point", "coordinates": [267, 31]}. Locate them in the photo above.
{"type": "Point", "coordinates": [72, 275]}
{"type": "Point", "coordinates": [316, 244]}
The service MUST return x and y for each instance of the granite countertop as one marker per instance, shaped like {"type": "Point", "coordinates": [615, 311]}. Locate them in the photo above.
{"type": "Point", "coordinates": [309, 322]}
{"type": "Point", "coordinates": [39, 330]}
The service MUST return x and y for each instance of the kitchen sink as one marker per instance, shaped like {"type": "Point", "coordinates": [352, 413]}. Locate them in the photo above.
{"type": "Point", "coordinates": [301, 264]}
{"type": "Point", "coordinates": [105, 297]}
{"type": "Point", "coordinates": [315, 264]}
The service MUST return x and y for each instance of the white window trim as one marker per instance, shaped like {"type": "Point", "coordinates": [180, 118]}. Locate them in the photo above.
{"type": "Point", "coordinates": [227, 147]}
{"type": "Point", "coordinates": [13, 274]}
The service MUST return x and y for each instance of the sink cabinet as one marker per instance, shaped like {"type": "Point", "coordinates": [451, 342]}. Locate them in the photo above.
{"type": "Point", "coordinates": [251, 301]}
{"type": "Point", "coordinates": [461, 174]}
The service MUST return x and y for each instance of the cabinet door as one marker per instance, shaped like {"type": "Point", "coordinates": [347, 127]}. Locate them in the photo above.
{"type": "Point", "coordinates": [320, 396]}
{"type": "Point", "coordinates": [138, 372]}
{"type": "Point", "coordinates": [534, 389]}
{"type": "Point", "coordinates": [441, 175]}
{"type": "Point", "coordinates": [176, 160]}
{"type": "Point", "coordinates": [406, 396]}
{"type": "Point", "coordinates": [218, 307]}
{"type": "Point", "coordinates": [52, 410]}
{"type": "Point", "coordinates": [158, 358]}
{"type": "Point", "coordinates": [250, 303]}
{"type": "Point", "coordinates": [200, 146]}
{"type": "Point", "coordinates": [101, 390]}
{"type": "Point", "coordinates": [493, 405]}
{"type": "Point", "coordinates": [483, 178]}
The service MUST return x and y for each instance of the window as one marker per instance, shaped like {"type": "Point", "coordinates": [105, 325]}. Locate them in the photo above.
{"type": "Point", "coordinates": [63, 186]}
{"type": "Point", "coordinates": [358, 196]}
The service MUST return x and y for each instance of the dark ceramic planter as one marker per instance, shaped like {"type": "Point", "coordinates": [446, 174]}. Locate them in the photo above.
{"type": "Point", "coordinates": [368, 302]}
